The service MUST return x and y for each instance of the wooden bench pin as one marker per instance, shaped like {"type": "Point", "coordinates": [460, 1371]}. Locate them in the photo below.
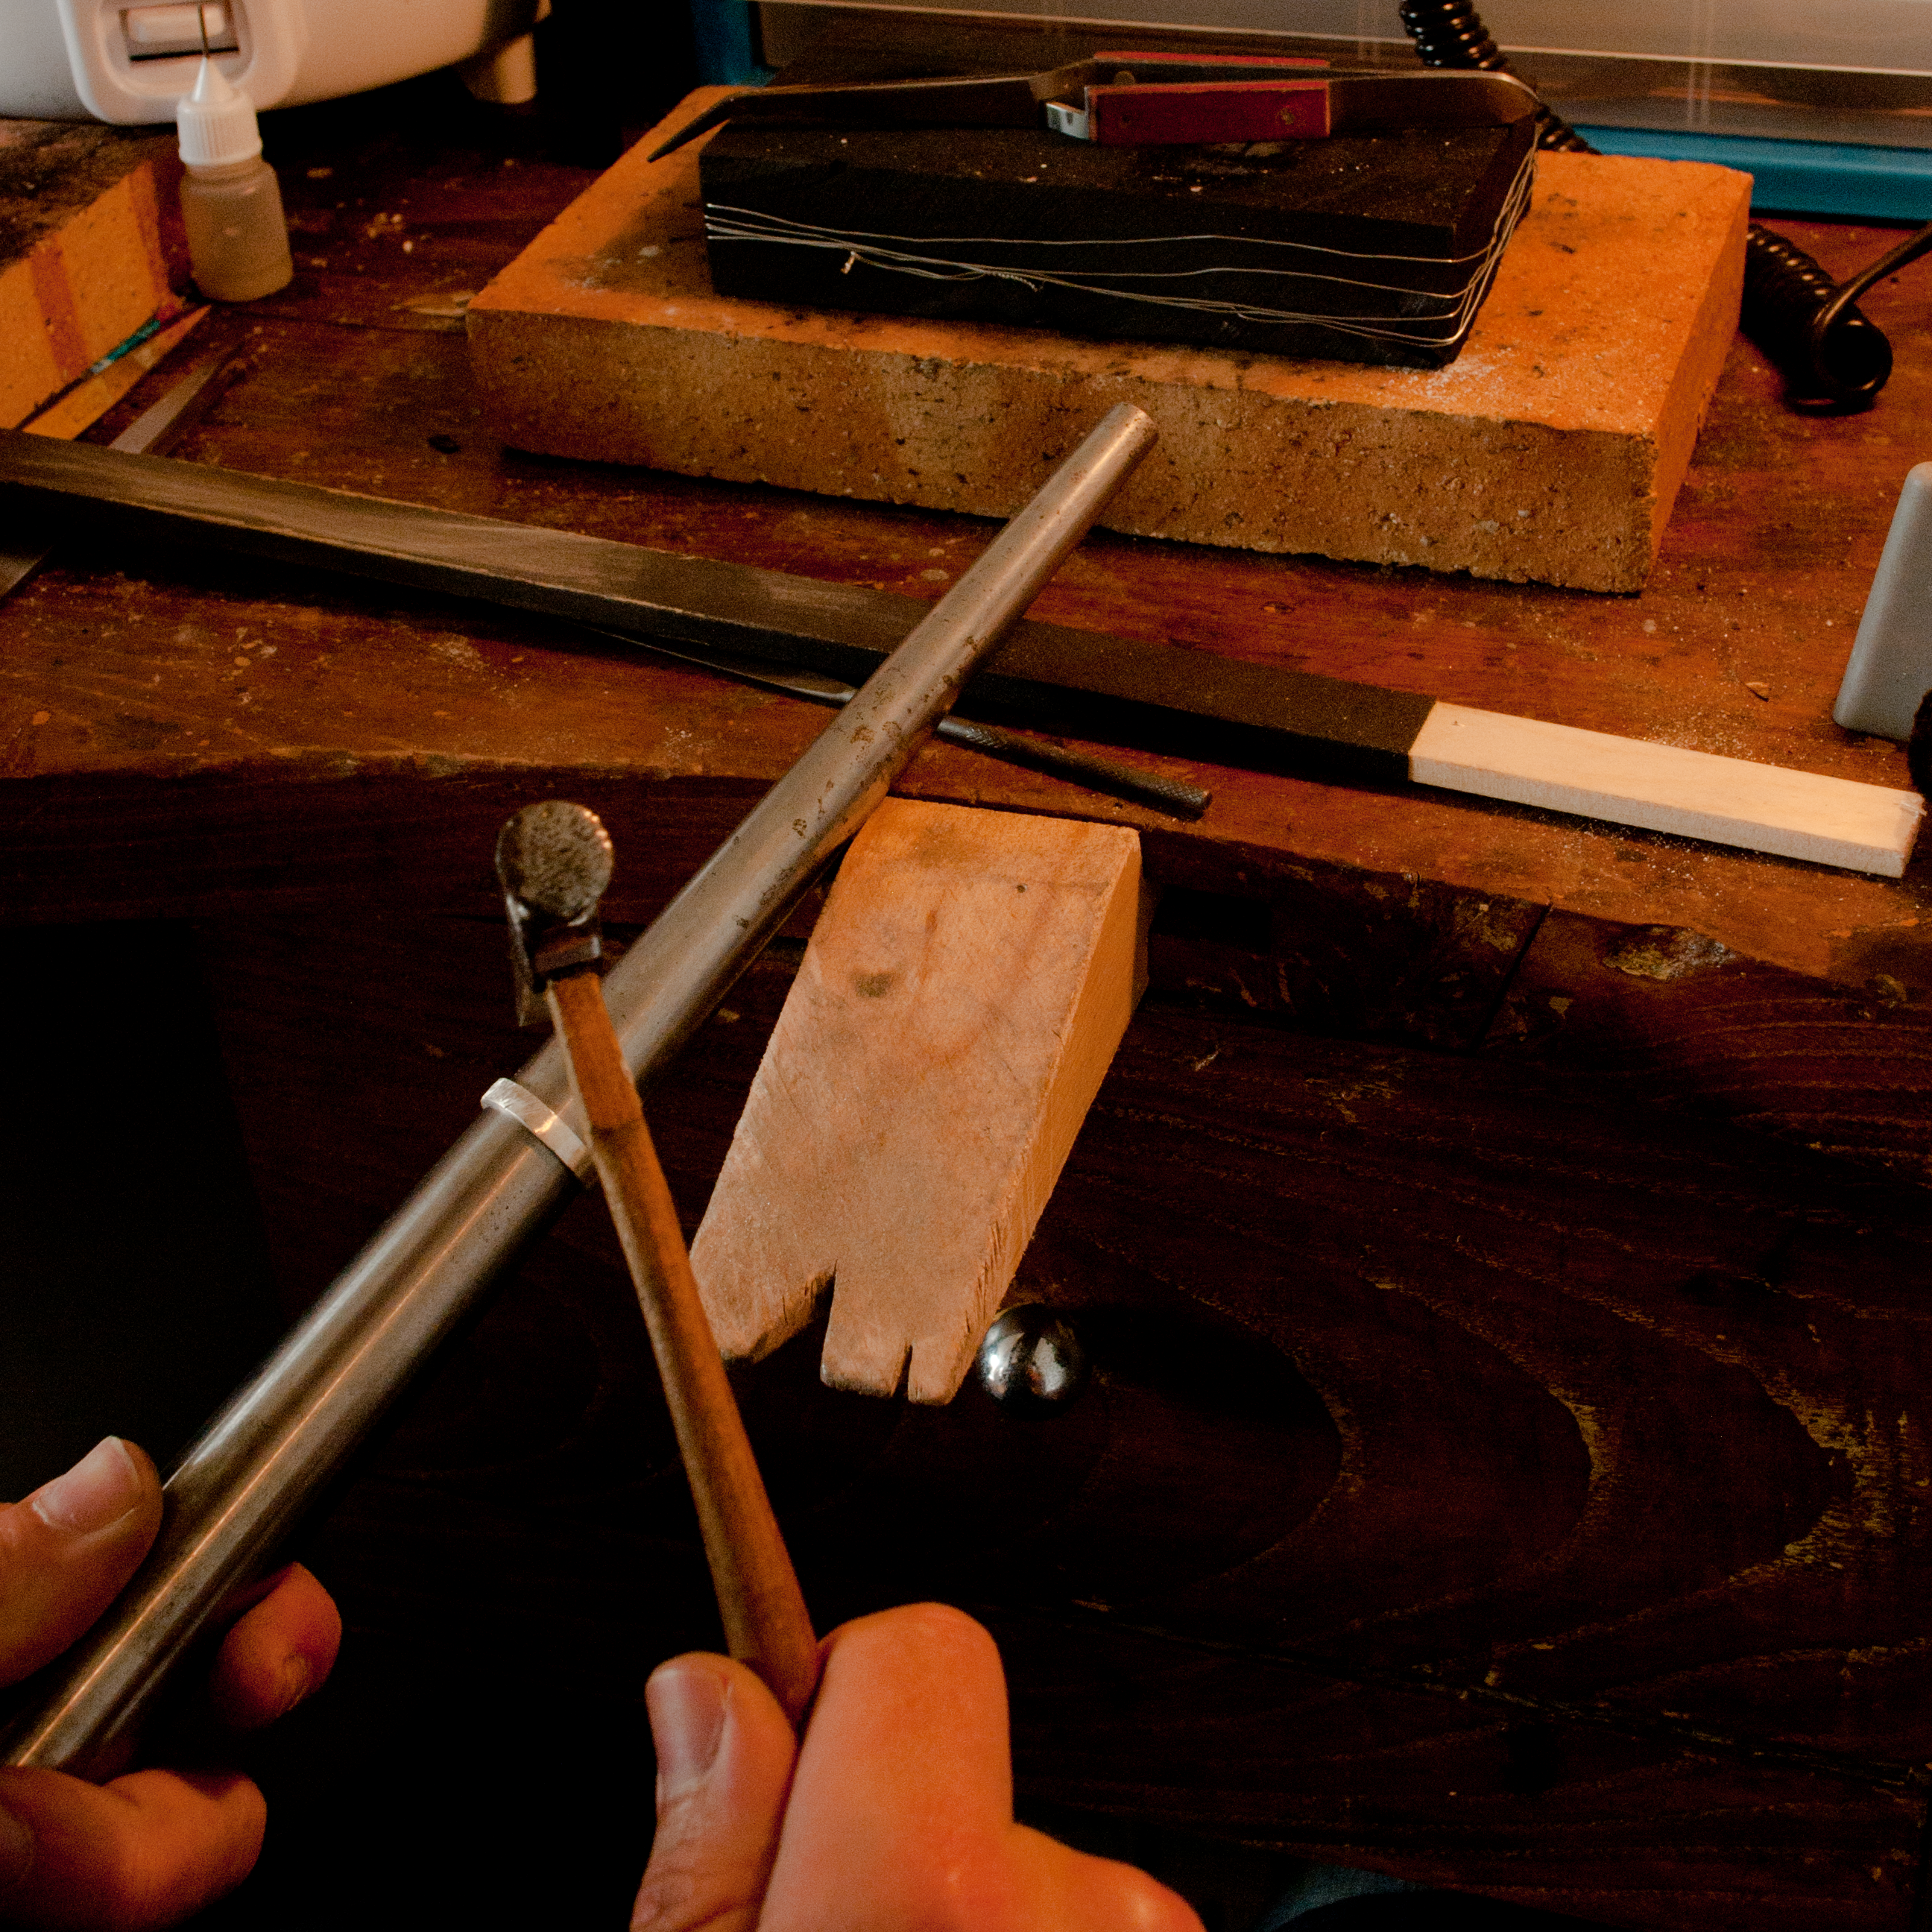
{"type": "Point", "coordinates": [554, 860]}
{"type": "Point", "coordinates": [961, 1000]}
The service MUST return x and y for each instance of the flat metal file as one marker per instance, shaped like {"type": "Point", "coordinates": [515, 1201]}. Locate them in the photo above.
{"type": "Point", "coordinates": [1193, 704]}
{"type": "Point", "coordinates": [151, 433]}
{"type": "Point", "coordinates": [1080, 684]}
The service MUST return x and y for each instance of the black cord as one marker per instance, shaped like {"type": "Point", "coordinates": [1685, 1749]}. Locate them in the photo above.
{"type": "Point", "coordinates": [1834, 358]}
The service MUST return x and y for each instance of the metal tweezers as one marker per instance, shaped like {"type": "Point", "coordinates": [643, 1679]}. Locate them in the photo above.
{"type": "Point", "coordinates": [1149, 100]}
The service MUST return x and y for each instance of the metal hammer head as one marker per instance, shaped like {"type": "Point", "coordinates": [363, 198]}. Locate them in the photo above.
{"type": "Point", "coordinates": [554, 861]}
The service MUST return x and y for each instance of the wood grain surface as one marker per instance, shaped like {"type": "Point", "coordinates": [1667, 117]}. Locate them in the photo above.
{"type": "Point", "coordinates": [1502, 1240]}
{"type": "Point", "coordinates": [1489, 1477]}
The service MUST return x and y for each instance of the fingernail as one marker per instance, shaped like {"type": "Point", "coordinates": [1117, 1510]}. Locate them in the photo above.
{"type": "Point", "coordinates": [99, 1490]}
{"type": "Point", "coordinates": [17, 1851]}
{"type": "Point", "coordinates": [296, 1676]}
{"type": "Point", "coordinates": [687, 1709]}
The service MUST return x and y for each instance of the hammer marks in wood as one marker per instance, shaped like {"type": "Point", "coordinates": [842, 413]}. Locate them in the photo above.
{"type": "Point", "coordinates": [957, 1008]}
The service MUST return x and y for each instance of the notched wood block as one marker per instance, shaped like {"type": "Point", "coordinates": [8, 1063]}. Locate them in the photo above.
{"type": "Point", "coordinates": [1550, 450]}
{"type": "Point", "coordinates": [956, 1011]}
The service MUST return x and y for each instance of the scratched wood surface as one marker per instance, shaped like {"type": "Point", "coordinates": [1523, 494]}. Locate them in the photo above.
{"type": "Point", "coordinates": [1502, 1236]}
{"type": "Point", "coordinates": [1502, 1482]}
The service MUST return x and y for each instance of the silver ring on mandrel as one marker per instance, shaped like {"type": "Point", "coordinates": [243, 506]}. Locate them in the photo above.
{"type": "Point", "coordinates": [544, 1124]}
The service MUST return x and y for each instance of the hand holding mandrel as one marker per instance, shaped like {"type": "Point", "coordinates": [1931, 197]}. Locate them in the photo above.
{"type": "Point", "coordinates": [554, 860]}
{"type": "Point", "coordinates": [141, 1848]}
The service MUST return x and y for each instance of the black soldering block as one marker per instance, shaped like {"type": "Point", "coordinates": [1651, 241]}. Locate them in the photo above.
{"type": "Point", "coordinates": [1367, 248]}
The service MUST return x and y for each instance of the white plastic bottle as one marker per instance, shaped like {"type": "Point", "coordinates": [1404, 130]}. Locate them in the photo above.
{"type": "Point", "coordinates": [238, 238]}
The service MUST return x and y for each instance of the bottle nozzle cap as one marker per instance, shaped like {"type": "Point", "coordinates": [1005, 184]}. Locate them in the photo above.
{"type": "Point", "coordinates": [216, 122]}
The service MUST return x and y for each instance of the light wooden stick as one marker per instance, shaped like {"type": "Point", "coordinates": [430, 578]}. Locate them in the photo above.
{"type": "Point", "coordinates": [765, 1622]}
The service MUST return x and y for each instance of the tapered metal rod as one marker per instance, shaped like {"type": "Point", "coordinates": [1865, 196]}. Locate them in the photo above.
{"type": "Point", "coordinates": [240, 1487]}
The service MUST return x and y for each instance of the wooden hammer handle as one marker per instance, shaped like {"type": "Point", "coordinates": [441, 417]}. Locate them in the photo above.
{"type": "Point", "coordinates": [765, 1622]}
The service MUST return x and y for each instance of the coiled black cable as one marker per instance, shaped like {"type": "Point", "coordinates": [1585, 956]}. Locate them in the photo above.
{"type": "Point", "coordinates": [1833, 357]}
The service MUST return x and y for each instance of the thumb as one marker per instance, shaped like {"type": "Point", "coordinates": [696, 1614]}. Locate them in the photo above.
{"type": "Point", "coordinates": [66, 1551]}
{"type": "Point", "coordinates": [725, 1763]}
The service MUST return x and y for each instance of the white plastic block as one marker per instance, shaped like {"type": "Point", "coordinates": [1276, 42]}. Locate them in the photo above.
{"type": "Point", "coordinates": [1890, 670]}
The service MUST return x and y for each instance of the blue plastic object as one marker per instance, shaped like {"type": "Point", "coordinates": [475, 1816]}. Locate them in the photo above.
{"type": "Point", "coordinates": [1823, 177]}
{"type": "Point", "coordinates": [1321, 1885]}
{"type": "Point", "coordinates": [727, 49]}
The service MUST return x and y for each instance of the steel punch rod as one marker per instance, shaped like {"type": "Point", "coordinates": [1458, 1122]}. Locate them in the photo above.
{"type": "Point", "coordinates": [240, 1487]}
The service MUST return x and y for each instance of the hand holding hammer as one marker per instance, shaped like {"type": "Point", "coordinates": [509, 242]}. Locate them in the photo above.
{"type": "Point", "coordinates": [554, 860]}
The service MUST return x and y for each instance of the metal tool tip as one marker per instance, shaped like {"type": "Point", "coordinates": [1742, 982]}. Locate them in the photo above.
{"type": "Point", "coordinates": [556, 858]}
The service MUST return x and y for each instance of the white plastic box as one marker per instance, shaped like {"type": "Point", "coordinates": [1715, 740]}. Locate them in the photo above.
{"type": "Point", "coordinates": [105, 60]}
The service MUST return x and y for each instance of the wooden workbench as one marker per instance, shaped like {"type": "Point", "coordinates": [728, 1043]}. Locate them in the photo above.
{"type": "Point", "coordinates": [1502, 1238]}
